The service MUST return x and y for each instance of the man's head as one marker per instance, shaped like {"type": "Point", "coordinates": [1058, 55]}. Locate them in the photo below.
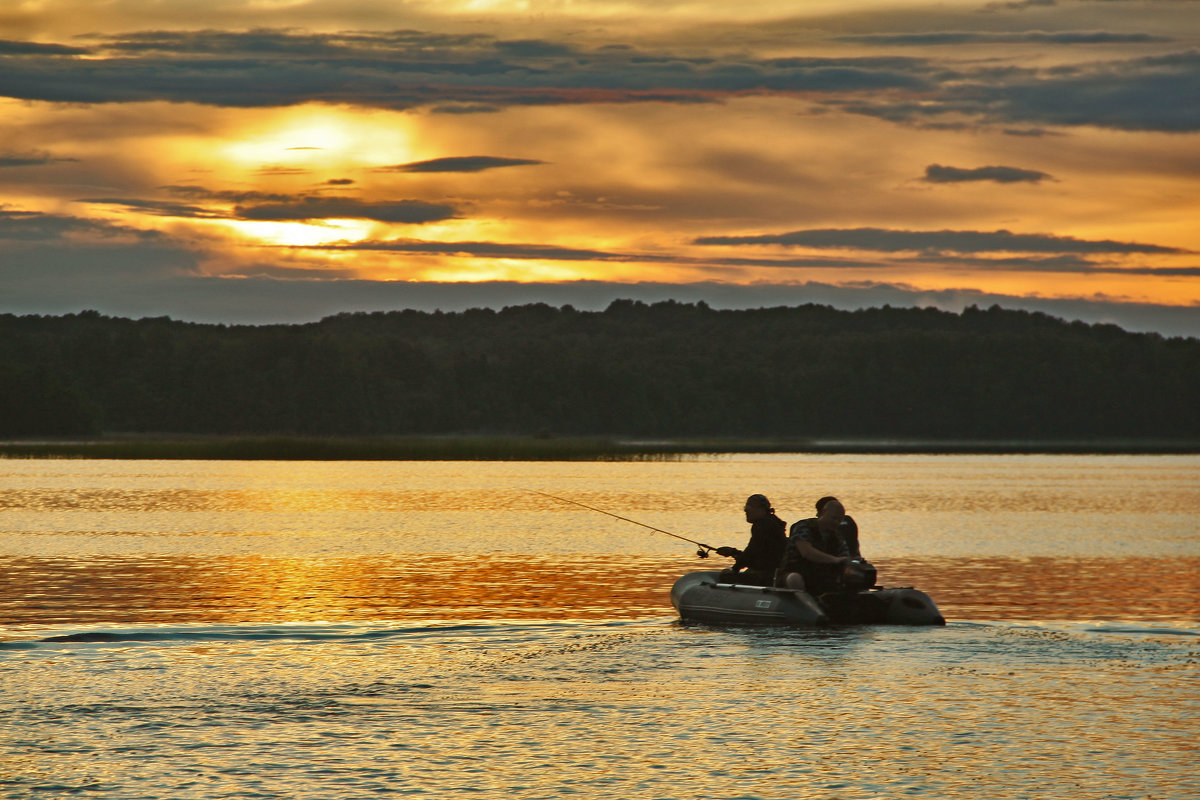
{"type": "Point", "coordinates": [831, 515]}
{"type": "Point", "coordinates": [757, 507]}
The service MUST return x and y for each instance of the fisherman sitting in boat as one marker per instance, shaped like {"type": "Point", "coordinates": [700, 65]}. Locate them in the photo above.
{"type": "Point", "coordinates": [756, 564]}
{"type": "Point", "coordinates": [817, 558]}
{"type": "Point", "coordinates": [848, 529]}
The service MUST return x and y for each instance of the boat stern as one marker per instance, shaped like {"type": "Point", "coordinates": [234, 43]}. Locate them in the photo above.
{"type": "Point", "coordinates": [911, 607]}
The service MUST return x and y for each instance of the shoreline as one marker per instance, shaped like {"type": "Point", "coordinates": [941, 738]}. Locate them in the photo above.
{"type": "Point", "coordinates": [543, 448]}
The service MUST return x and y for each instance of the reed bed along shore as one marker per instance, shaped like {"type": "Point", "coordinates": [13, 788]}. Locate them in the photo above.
{"type": "Point", "coordinates": [529, 448]}
{"type": "Point", "coordinates": [303, 448]}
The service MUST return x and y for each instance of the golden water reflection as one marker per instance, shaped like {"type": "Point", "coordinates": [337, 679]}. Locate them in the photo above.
{"type": "Point", "coordinates": [232, 589]}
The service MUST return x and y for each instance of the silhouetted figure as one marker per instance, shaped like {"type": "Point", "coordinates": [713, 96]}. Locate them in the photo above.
{"type": "Point", "coordinates": [817, 558]}
{"type": "Point", "coordinates": [756, 564]}
{"type": "Point", "coordinates": [848, 529]}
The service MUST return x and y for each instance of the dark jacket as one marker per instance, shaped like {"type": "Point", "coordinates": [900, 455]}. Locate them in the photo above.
{"type": "Point", "coordinates": [767, 543]}
{"type": "Point", "coordinates": [818, 578]}
{"type": "Point", "coordinates": [848, 529]}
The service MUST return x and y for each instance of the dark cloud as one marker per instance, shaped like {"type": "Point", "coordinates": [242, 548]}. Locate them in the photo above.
{"type": "Point", "coordinates": [1067, 263]}
{"type": "Point", "coordinates": [467, 108]}
{"type": "Point", "coordinates": [412, 212]}
{"type": "Point", "coordinates": [787, 263]}
{"type": "Point", "coordinates": [158, 208]}
{"type": "Point", "coordinates": [52, 263]}
{"type": "Point", "coordinates": [459, 164]}
{"type": "Point", "coordinates": [1030, 132]}
{"type": "Point", "coordinates": [1142, 94]}
{"type": "Point", "coordinates": [1159, 272]}
{"type": "Point", "coordinates": [406, 69]}
{"type": "Point", "coordinates": [289, 42]}
{"type": "Point", "coordinates": [30, 159]}
{"type": "Point", "coordinates": [264, 206]}
{"type": "Point", "coordinates": [58, 279]}
{"type": "Point", "coordinates": [1011, 37]}
{"type": "Point", "coordinates": [534, 48]}
{"type": "Point", "coordinates": [1064, 263]}
{"type": "Point", "coordinates": [1145, 94]}
{"type": "Point", "coordinates": [884, 240]}
{"type": "Point", "coordinates": [1019, 5]}
{"type": "Point", "coordinates": [1061, 263]}
{"type": "Point", "coordinates": [322, 273]}
{"type": "Point", "coordinates": [9, 47]}
{"type": "Point", "coordinates": [490, 250]}
{"type": "Point", "coordinates": [34, 226]}
{"type": "Point", "coordinates": [201, 193]}
{"type": "Point", "coordinates": [478, 73]}
{"type": "Point", "coordinates": [936, 173]}
{"type": "Point", "coordinates": [522, 251]}
{"type": "Point", "coordinates": [1180, 272]}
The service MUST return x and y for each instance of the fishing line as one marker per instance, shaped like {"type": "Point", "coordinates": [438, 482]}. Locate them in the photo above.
{"type": "Point", "coordinates": [703, 552]}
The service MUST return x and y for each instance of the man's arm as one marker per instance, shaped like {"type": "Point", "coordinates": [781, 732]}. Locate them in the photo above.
{"type": "Point", "coordinates": [810, 553]}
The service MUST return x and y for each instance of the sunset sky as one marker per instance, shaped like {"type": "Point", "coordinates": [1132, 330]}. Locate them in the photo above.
{"type": "Point", "coordinates": [273, 160]}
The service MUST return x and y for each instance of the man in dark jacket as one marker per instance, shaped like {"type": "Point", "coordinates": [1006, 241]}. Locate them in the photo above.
{"type": "Point", "coordinates": [756, 564]}
{"type": "Point", "coordinates": [817, 558]}
{"type": "Point", "coordinates": [848, 529]}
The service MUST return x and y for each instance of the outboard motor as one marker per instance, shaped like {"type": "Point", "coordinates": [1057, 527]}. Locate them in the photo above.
{"type": "Point", "coordinates": [858, 575]}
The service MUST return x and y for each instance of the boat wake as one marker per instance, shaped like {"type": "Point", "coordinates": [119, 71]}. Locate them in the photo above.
{"type": "Point", "coordinates": [314, 633]}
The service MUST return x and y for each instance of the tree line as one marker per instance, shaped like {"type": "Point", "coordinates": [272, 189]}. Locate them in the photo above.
{"type": "Point", "coordinates": [639, 370]}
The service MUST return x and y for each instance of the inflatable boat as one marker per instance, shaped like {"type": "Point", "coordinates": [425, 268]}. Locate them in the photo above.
{"type": "Point", "coordinates": [701, 597]}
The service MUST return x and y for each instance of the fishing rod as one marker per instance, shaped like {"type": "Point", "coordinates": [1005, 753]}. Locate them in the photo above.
{"type": "Point", "coordinates": [702, 552]}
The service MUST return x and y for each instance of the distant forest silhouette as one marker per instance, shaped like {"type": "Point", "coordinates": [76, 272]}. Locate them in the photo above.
{"type": "Point", "coordinates": [662, 370]}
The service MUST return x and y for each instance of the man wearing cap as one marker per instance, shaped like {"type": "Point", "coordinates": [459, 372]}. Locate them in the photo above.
{"type": "Point", "coordinates": [756, 564]}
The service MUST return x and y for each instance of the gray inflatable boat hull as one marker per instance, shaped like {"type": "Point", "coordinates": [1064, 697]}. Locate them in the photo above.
{"type": "Point", "coordinates": [700, 597]}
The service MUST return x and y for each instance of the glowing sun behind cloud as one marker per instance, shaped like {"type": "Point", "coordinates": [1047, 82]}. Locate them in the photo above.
{"type": "Point", "coordinates": [315, 138]}
{"type": "Point", "coordinates": [301, 234]}
{"type": "Point", "coordinates": [473, 140]}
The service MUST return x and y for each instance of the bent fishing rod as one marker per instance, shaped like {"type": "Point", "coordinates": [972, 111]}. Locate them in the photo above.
{"type": "Point", "coordinates": [702, 552]}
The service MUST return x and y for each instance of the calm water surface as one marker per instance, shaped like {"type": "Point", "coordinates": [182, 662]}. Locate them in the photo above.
{"type": "Point", "coordinates": [341, 630]}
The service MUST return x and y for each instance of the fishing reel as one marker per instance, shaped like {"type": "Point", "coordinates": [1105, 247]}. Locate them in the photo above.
{"type": "Point", "coordinates": [701, 553]}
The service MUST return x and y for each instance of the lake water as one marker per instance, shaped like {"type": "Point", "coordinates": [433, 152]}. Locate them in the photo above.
{"type": "Point", "coordinates": [434, 629]}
